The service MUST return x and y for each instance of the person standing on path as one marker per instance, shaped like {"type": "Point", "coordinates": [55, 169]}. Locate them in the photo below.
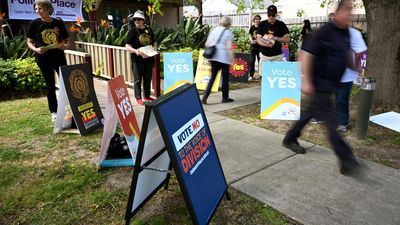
{"type": "Point", "coordinates": [48, 38]}
{"type": "Point", "coordinates": [324, 62]}
{"type": "Point", "coordinates": [271, 33]}
{"type": "Point", "coordinates": [342, 94]}
{"type": "Point", "coordinates": [140, 35]}
{"type": "Point", "coordinates": [254, 47]}
{"type": "Point", "coordinates": [222, 59]}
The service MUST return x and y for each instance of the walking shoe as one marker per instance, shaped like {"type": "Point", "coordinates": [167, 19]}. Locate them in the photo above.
{"type": "Point", "coordinates": [139, 101]}
{"type": "Point", "coordinates": [226, 100]}
{"type": "Point", "coordinates": [250, 78]}
{"type": "Point", "coordinates": [342, 128]}
{"type": "Point", "coordinates": [350, 167]}
{"type": "Point", "coordinates": [294, 146]}
{"type": "Point", "coordinates": [53, 117]}
{"type": "Point", "coordinates": [315, 121]}
{"type": "Point", "coordinates": [148, 98]}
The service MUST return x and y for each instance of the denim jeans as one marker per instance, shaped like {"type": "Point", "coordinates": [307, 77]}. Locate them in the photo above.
{"type": "Point", "coordinates": [342, 95]}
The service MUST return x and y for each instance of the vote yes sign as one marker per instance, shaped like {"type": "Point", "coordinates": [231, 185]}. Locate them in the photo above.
{"type": "Point", "coordinates": [178, 70]}
{"type": "Point", "coordinates": [123, 106]}
{"type": "Point", "coordinates": [280, 91]}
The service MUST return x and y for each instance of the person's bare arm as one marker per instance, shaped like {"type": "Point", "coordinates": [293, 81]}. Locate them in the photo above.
{"type": "Point", "coordinates": [306, 60]}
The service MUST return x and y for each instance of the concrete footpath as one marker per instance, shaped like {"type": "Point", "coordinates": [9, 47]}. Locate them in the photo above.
{"type": "Point", "coordinates": [307, 188]}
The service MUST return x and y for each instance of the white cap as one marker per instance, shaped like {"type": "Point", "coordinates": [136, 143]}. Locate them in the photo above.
{"type": "Point", "coordinates": [139, 14]}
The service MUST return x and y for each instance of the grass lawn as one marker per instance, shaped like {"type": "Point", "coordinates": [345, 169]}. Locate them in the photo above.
{"type": "Point", "coordinates": [52, 179]}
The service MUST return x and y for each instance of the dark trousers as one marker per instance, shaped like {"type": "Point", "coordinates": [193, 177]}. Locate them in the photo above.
{"type": "Point", "coordinates": [48, 63]}
{"type": "Point", "coordinates": [342, 95]}
{"type": "Point", "coordinates": [142, 71]}
{"type": "Point", "coordinates": [321, 106]}
{"type": "Point", "coordinates": [215, 67]}
{"type": "Point", "coordinates": [255, 55]}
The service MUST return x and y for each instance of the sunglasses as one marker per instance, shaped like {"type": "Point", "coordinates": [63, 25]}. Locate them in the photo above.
{"type": "Point", "coordinates": [137, 19]}
{"type": "Point", "coordinates": [271, 15]}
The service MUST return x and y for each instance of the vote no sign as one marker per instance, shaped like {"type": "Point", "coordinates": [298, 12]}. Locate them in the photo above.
{"type": "Point", "coordinates": [280, 91]}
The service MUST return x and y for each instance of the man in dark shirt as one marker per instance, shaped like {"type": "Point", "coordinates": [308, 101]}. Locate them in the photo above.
{"type": "Point", "coordinates": [271, 33]}
{"type": "Point", "coordinates": [324, 60]}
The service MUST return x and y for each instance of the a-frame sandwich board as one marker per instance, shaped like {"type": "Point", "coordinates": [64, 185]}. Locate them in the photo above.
{"type": "Point", "coordinates": [77, 101]}
{"type": "Point", "coordinates": [178, 124]}
{"type": "Point", "coordinates": [119, 108]}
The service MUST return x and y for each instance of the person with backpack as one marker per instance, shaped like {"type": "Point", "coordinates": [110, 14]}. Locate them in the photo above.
{"type": "Point", "coordinates": [141, 35]}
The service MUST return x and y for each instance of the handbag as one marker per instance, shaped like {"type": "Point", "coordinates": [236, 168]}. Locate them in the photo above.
{"type": "Point", "coordinates": [210, 51]}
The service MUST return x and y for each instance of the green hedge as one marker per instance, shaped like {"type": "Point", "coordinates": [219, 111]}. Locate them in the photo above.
{"type": "Point", "coordinates": [20, 76]}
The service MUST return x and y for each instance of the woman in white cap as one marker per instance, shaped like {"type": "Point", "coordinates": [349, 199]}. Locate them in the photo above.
{"type": "Point", "coordinates": [139, 36]}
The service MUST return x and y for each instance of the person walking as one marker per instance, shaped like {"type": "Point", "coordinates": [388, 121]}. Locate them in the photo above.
{"type": "Point", "coordinates": [221, 59]}
{"type": "Point", "coordinates": [271, 33]}
{"type": "Point", "coordinates": [140, 35]}
{"type": "Point", "coordinates": [342, 94]}
{"type": "Point", "coordinates": [305, 32]}
{"type": "Point", "coordinates": [48, 38]}
{"type": "Point", "coordinates": [324, 62]}
{"type": "Point", "coordinates": [254, 47]}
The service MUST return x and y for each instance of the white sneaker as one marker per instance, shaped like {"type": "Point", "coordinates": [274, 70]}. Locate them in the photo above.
{"type": "Point", "coordinates": [250, 78]}
{"type": "Point", "coordinates": [53, 117]}
{"type": "Point", "coordinates": [342, 128]}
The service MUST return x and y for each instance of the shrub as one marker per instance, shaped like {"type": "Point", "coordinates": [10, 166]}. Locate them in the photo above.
{"type": "Point", "coordinates": [241, 40]}
{"type": "Point", "coordinates": [28, 76]}
{"type": "Point", "coordinates": [294, 41]}
{"type": "Point", "coordinates": [7, 74]}
{"type": "Point", "coordinates": [14, 47]}
{"type": "Point", "coordinates": [20, 75]}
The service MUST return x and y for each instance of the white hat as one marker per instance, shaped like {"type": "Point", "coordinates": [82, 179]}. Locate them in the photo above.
{"type": "Point", "coordinates": [139, 14]}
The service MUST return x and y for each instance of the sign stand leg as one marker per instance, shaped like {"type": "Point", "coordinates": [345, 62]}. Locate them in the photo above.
{"type": "Point", "coordinates": [228, 197]}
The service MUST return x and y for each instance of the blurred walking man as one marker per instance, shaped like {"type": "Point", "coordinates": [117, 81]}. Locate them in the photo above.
{"type": "Point", "coordinates": [324, 62]}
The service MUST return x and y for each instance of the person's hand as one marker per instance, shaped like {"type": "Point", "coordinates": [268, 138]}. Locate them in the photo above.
{"type": "Point", "coordinates": [307, 87]}
{"type": "Point", "coordinates": [62, 46]}
{"type": "Point", "coordinates": [40, 50]}
{"type": "Point", "coordinates": [253, 42]}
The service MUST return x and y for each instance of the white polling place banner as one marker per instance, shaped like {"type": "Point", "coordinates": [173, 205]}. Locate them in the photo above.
{"type": "Point", "coordinates": [178, 70]}
{"type": "Point", "coordinates": [280, 91]}
{"type": "Point", "coordinates": [67, 10]}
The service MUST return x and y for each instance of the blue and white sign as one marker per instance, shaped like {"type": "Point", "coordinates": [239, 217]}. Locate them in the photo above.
{"type": "Point", "coordinates": [192, 151]}
{"type": "Point", "coordinates": [178, 70]}
{"type": "Point", "coordinates": [280, 91]}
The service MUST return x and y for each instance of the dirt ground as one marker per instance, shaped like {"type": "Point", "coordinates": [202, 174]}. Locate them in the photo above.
{"type": "Point", "coordinates": [381, 145]}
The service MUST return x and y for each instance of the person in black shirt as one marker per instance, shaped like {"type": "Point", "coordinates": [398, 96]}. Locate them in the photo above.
{"type": "Point", "coordinates": [254, 47]}
{"type": "Point", "coordinates": [48, 38]}
{"type": "Point", "coordinates": [139, 36]}
{"type": "Point", "coordinates": [324, 60]}
{"type": "Point", "coordinates": [271, 33]}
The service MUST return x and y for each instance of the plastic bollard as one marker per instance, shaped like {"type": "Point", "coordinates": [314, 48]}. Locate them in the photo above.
{"type": "Point", "coordinates": [364, 107]}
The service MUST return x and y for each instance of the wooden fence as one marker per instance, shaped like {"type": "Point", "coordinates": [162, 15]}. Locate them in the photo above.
{"type": "Point", "coordinates": [110, 61]}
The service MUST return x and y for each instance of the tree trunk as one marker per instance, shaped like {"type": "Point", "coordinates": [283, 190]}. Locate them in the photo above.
{"type": "Point", "coordinates": [383, 21]}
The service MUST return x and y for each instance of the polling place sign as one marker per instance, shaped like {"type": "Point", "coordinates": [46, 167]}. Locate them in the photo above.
{"type": "Point", "coordinates": [68, 10]}
{"type": "Point", "coordinates": [280, 91]}
{"type": "Point", "coordinates": [178, 70]}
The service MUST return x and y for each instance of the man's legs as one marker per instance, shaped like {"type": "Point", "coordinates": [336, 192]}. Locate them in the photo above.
{"type": "Point", "coordinates": [342, 95]}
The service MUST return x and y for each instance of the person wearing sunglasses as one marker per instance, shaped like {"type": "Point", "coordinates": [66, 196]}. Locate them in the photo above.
{"type": "Point", "coordinates": [271, 33]}
{"type": "Point", "coordinates": [140, 35]}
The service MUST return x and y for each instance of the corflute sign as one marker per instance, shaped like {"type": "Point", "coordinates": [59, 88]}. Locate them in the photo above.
{"type": "Point", "coordinates": [68, 10]}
